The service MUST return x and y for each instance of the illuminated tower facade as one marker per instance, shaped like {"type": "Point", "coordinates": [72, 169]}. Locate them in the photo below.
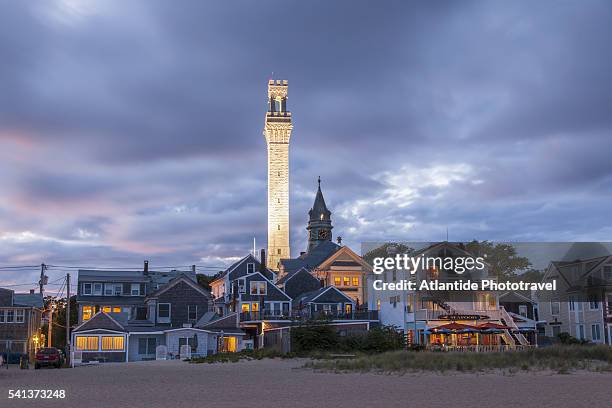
{"type": "Point", "coordinates": [277, 132]}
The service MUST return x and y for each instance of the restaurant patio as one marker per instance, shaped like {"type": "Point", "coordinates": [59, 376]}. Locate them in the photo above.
{"type": "Point", "coordinates": [455, 336]}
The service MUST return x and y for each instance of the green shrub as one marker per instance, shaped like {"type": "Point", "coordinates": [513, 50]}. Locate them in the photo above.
{"type": "Point", "coordinates": [314, 337]}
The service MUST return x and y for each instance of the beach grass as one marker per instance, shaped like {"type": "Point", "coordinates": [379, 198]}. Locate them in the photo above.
{"type": "Point", "coordinates": [561, 359]}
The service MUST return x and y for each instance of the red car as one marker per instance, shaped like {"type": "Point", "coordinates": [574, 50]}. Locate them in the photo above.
{"type": "Point", "coordinates": [49, 356]}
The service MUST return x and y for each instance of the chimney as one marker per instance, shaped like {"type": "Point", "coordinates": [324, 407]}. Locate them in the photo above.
{"type": "Point", "coordinates": [31, 291]}
{"type": "Point", "coordinates": [146, 267]}
{"type": "Point", "coordinates": [262, 265]}
{"type": "Point", "coordinates": [193, 268]}
{"type": "Point", "coordinates": [339, 240]}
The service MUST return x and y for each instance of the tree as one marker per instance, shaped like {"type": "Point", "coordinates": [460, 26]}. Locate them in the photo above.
{"type": "Point", "coordinates": [503, 259]}
{"type": "Point", "coordinates": [204, 280]}
{"type": "Point", "coordinates": [59, 319]}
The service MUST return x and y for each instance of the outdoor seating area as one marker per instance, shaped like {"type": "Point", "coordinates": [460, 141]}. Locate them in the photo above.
{"type": "Point", "coordinates": [489, 336]}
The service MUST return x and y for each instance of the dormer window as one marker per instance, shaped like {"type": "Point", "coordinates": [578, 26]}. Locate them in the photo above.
{"type": "Point", "coordinates": [97, 289]}
{"type": "Point", "coordinates": [250, 268]}
{"type": "Point", "coordinates": [87, 289]}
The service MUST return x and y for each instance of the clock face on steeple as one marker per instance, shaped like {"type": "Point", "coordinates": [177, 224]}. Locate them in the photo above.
{"type": "Point", "coordinates": [323, 234]}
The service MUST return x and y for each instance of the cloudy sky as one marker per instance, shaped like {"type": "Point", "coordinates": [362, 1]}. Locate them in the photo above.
{"type": "Point", "coordinates": [133, 130]}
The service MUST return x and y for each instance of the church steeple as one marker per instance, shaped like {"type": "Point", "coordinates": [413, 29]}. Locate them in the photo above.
{"type": "Point", "coordinates": [319, 223]}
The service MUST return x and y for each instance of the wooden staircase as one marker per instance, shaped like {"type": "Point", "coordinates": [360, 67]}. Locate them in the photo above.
{"type": "Point", "coordinates": [514, 332]}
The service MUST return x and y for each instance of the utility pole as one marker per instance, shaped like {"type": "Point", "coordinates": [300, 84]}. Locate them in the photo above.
{"type": "Point", "coordinates": [67, 318]}
{"type": "Point", "coordinates": [50, 329]}
{"type": "Point", "coordinates": [43, 279]}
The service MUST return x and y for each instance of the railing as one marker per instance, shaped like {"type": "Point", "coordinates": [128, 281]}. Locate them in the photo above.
{"type": "Point", "coordinates": [263, 315]}
{"type": "Point", "coordinates": [427, 314]}
{"type": "Point", "coordinates": [509, 321]}
{"type": "Point", "coordinates": [306, 315]}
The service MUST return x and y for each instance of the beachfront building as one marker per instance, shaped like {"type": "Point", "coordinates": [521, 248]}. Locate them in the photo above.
{"type": "Point", "coordinates": [582, 304]}
{"type": "Point", "coordinates": [20, 321]}
{"type": "Point", "coordinates": [446, 319]}
{"type": "Point", "coordinates": [168, 315]}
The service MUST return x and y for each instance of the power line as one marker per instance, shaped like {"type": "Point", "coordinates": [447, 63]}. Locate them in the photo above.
{"type": "Point", "coordinates": [20, 267]}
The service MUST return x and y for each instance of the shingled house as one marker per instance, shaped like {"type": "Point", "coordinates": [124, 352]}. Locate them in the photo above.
{"type": "Point", "coordinates": [20, 321]}
{"type": "Point", "coordinates": [160, 309]}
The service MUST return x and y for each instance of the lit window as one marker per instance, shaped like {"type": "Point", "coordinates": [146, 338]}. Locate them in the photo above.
{"type": "Point", "coordinates": [337, 281]}
{"type": "Point", "coordinates": [106, 309]}
{"type": "Point", "coordinates": [112, 343]}
{"type": "Point", "coordinates": [227, 344]}
{"type": "Point", "coordinates": [87, 312]}
{"type": "Point", "coordinates": [347, 281]}
{"type": "Point", "coordinates": [255, 306]}
{"type": "Point", "coordinates": [348, 308]}
{"type": "Point", "coordinates": [258, 288]}
{"type": "Point", "coordinates": [87, 343]}
{"type": "Point", "coordinates": [246, 307]}
{"type": "Point", "coordinates": [19, 316]}
{"type": "Point", "coordinates": [355, 281]}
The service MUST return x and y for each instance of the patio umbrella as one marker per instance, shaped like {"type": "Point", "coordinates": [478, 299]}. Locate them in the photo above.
{"type": "Point", "coordinates": [469, 330]}
{"type": "Point", "coordinates": [456, 327]}
{"type": "Point", "coordinates": [440, 331]}
{"type": "Point", "coordinates": [491, 325]}
{"type": "Point", "coordinates": [492, 331]}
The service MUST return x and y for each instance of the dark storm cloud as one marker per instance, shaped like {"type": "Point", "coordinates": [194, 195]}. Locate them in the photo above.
{"type": "Point", "coordinates": [133, 130]}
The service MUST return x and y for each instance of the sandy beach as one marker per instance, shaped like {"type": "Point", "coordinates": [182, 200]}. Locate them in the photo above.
{"type": "Point", "coordinates": [282, 383]}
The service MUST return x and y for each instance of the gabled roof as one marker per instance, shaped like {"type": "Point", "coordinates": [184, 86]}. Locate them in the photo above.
{"type": "Point", "coordinates": [100, 320]}
{"type": "Point", "coordinates": [236, 266]}
{"type": "Point", "coordinates": [177, 280]}
{"type": "Point", "coordinates": [312, 296]}
{"type": "Point", "coordinates": [332, 260]}
{"type": "Point", "coordinates": [288, 276]}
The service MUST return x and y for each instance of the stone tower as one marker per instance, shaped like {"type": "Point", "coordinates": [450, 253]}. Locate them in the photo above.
{"type": "Point", "coordinates": [277, 132]}
{"type": "Point", "coordinates": [319, 221]}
